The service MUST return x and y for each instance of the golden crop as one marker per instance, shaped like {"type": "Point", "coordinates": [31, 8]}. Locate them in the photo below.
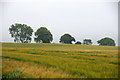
{"type": "Point", "coordinates": [59, 61]}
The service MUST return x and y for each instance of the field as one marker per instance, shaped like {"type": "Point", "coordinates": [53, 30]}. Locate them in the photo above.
{"type": "Point", "coordinates": [31, 60]}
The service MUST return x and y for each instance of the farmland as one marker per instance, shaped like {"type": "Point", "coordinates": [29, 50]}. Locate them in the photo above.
{"type": "Point", "coordinates": [43, 60]}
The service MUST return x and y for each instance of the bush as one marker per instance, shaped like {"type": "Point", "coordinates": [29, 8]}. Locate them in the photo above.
{"type": "Point", "coordinates": [78, 42]}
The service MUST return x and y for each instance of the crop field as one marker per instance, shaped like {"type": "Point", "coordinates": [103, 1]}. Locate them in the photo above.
{"type": "Point", "coordinates": [31, 60]}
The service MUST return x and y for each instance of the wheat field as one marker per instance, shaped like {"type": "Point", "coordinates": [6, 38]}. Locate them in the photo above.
{"type": "Point", "coordinates": [39, 60]}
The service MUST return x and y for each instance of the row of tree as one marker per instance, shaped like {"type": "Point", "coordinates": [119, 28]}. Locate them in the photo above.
{"type": "Point", "coordinates": [22, 34]}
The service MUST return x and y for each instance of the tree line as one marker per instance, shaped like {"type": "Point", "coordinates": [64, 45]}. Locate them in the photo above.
{"type": "Point", "coordinates": [23, 33]}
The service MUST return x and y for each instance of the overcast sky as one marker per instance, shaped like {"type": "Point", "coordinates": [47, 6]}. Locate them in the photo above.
{"type": "Point", "coordinates": [93, 19]}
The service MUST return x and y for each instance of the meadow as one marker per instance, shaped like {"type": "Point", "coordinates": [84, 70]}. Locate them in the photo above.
{"type": "Point", "coordinates": [31, 60]}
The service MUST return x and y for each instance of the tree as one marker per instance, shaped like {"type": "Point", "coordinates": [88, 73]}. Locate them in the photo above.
{"type": "Point", "coordinates": [21, 33]}
{"type": "Point", "coordinates": [43, 35]}
{"type": "Point", "coordinates": [67, 39]}
{"type": "Point", "coordinates": [78, 42]}
{"type": "Point", "coordinates": [106, 41]}
{"type": "Point", "coordinates": [87, 41]}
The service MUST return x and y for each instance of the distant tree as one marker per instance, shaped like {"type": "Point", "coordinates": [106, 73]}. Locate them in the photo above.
{"type": "Point", "coordinates": [78, 42]}
{"type": "Point", "coordinates": [43, 35]}
{"type": "Point", "coordinates": [87, 41]}
{"type": "Point", "coordinates": [106, 41]}
{"type": "Point", "coordinates": [21, 33]}
{"type": "Point", "coordinates": [67, 39]}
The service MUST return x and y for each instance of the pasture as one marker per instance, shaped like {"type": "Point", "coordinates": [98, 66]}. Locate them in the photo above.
{"type": "Point", "coordinates": [31, 60]}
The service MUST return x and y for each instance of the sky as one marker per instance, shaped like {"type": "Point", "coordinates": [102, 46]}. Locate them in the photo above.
{"type": "Point", "coordinates": [83, 19]}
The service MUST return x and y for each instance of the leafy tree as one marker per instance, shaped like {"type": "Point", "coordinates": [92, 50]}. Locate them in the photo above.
{"type": "Point", "coordinates": [67, 39]}
{"type": "Point", "coordinates": [87, 41]}
{"type": "Point", "coordinates": [21, 33]}
{"type": "Point", "coordinates": [78, 42]}
{"type": "Point", "coordinates": [43, 35]}
{"type": "Point", "coordinates": [106, 41]}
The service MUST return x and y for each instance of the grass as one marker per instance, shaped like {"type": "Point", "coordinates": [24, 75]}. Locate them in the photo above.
{"type": "Point", "coordinates": [60, 60]}
{"type": "Point", "coordinates": [30, 70]}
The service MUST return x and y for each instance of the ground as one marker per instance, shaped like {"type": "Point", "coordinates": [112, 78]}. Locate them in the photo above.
{"type": "Point", "coordinates": [31, 60]}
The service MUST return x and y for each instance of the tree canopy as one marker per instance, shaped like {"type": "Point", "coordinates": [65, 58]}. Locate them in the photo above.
{"type": "Point", "coordinates": [87, 41]}
{"type": "Point", "coordinates": [43, 35]}
{"type": "Point", "coordinates": [67, 39]}
{"type": "Point", "coordinates": [21, 33]}
{"type": "Point", "coordinates": [106, 41]}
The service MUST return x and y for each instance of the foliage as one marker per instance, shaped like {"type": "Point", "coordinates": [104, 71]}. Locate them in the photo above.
{"type": "Point", "coordinates": [78, 42]}
{"type": "Point", "coordinates": [67, 39]}
{"type": "Point", "coordinates": [106, 41]}
{"type": "Point", "coordinates": [87, 41]}
{"type": "Point", "coordinates": [21, 33]}
{"type": "Point", "coordinates": [14, 74]}
{"type": "Point", "coordinates": [43, 35]}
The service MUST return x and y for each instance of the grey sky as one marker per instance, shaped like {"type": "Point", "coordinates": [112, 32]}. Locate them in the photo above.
{"type": "Point", "coordinates": [94, 20]}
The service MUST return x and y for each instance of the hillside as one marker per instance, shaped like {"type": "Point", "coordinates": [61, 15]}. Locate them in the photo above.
{"type": "Point", "coordinates": [59, 60]}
